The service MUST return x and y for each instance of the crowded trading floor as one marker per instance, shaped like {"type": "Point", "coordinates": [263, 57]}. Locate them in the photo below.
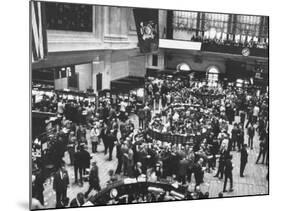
{"type": "Point", "coordinates": [183, 141]}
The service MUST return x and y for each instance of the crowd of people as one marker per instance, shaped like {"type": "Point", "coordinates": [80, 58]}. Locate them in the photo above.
{"type": "Point", "coordinates": [210, 122]}
{"type": "Point", "coordinates": [172, 107]}
{"type": "Point", "coordinates": [227, 42]}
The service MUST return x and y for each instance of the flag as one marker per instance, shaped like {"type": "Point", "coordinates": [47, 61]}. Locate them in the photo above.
{"type": "Point", "coordinates": [38, 31]}
{"type": "Point", "coordinates": [146, 21]}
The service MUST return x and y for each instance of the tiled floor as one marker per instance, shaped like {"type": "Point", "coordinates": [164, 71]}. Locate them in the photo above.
{"type": "Point", "coordinates": [253, 183]}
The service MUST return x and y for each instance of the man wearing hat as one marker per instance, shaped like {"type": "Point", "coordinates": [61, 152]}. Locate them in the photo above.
{"type": "Point", "coordinates": [94, 181]}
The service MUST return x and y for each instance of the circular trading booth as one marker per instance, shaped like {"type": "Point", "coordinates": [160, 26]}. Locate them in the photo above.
{"type": "Point", "coordinates": [193, 132]}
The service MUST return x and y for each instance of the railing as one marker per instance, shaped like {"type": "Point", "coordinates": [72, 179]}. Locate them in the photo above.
{"type": "Point", "coordinates": [213, 47]}
{"type": "Point", "coordinates": [171, 138]}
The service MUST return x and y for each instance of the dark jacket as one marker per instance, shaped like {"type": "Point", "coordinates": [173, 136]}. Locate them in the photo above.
{"type": "Point", "coordinates": [244, 155]}
{"type": "Point", "coordinates": [141, 114]}
{"type": "Point", "coordinates": [251, 131]}
{"type": "Point", "coordinates": [94, 177]}
{"type": "Point", "coordinates": [60, 184]}
{"type": "Point", "coordinates": [183, 167]}
{"type": "Point", "coordinates": [84, 159]}
{"type": "Point", "coordinates": [228, 167]}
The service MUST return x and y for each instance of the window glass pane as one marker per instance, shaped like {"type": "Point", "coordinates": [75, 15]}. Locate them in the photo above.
{"type": "Point", "coordinates": [185, 20]}
{"type": "Point", "coordinates": [248, 24]}
{"type": "Point", "coordinates": [217, 21]}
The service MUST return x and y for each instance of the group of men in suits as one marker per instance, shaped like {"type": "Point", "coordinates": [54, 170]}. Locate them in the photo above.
{"type": "Point", "coordinates": [61, 184]}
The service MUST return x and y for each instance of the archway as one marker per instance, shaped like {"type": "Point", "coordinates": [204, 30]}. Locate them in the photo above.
{"type": "Point", "coordinates": [183, 67]}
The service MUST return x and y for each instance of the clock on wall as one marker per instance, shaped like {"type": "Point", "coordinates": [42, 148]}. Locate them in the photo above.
{"type": "Point", "coordinates": [245, 51]}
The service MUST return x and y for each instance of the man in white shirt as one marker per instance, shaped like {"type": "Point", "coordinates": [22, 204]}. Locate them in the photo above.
{"type": "Point", "coordinates": [123, 106]}
{"type": "Point", "coordinates": [256, 111]}
{"type": "Point", "coordinates": [60, 108]}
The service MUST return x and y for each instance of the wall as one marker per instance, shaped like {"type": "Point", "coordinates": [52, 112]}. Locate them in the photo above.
{"type": "Point", "coordinates": [61, 83]}
{"type": "Point", "coordinates": [104, 67]}
{"type": "Point", "coordinates": [137, 66]}
{"type": "Point", "coordinates": [174, 59]}
{"type": "Point", "coordinates": [161, 61]}
{"type": "Point", "coordinates": [85, 80]}
{"type": "Point", "coordinates": [112, 29]}
{"type": "Point", "coordinates": [119, 65]}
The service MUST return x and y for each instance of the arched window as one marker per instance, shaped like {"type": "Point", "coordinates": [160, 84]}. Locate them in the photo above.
{"type": "Point", "coordinates": [183, 67]}
{"type": "Point", "coordinates": [213, 76]}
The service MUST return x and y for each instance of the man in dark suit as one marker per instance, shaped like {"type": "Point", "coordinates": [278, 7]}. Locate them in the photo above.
{"type": "Point", "coordinates": [111, 139]}
{"type": "Point", "coordinates": [111, 114]}
{"type": "Point", "coordinates": [242, 118]}
{"type": "Point", "coordinates": [235, 136]}
{"type": "Point", "coordinates": [141, 115]}
{"type": "Point", "coordinates": [198, 172]}
{"type": "Point", "coordinates": [104, 137]}
{"type": "Point", "coordinates": [262, 151]}
{"type": "Point", "coordinates": [223, 154]}
{"type": "Point", "coordinates": [243, 159]}
{"type": "Point", "coordinates": [147, 116]}
{"type": "Point", "coordinates": [39, 187]}
{"type": "Point", "coordinates": [94, 181]}
{"type": "Point", "coordinates": [60, 184]}
{"type": "Point", "coordinates": [240, 140]}
{"type": "Point", "coordinates": [251, 134]}
{"type": "Point", "coordinates": [77, 163]}
{"type": "Point", "coordinates": [182, 171]}
{"type": "Point", "coordinates": [84, 163]}
{"type": "Point", "coordinates": [119, 156]}
{"type": "Point", "coordinates": [228, 173]}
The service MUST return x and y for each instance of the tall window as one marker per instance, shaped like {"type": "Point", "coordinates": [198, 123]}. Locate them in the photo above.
{"type": "Point", "coordinates": [220, 26]}
{"type": "Point", "coordinates": [212, 76]}
{"type": "Point", "coordinates": [264, 27]}
{"type": "Point", "coordinates": [248, 25]}
{"type": "Point", "coordinates": [155, 60]}
{"type": "Point", "coordinates": [185, 20]}
{"type": "Point", "coordinates": [215, 25]}
{"type": "Point", "coordinates": [71, 17]}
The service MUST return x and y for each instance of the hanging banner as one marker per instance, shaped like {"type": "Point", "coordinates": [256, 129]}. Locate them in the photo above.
{"type": "Point", "coordinates": [147, 29]}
